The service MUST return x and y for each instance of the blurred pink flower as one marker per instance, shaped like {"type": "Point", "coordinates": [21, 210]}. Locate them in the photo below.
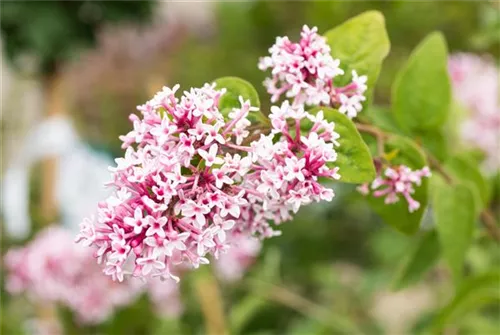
{"type": "Point", "coordinates": [165, 296]}
{"type": "Point", "coordinates": [232, 265]}
{"type": "Point", "coordinates": [475, 82]}
{"type": "Point", "coordinates": [52, 268]}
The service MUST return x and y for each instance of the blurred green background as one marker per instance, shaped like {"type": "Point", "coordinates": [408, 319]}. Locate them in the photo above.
{"type": "Point", "coordinates": [335, 263]}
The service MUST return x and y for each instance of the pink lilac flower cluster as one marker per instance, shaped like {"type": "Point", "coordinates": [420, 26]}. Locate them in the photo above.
{"type": "Point", "coordinates": [186, 182]}
{"type": "Point", "coordinates": [475, 82]}
{"type": "Point", "coordinates": [305, 72]}
{"type": "Point", "coordinates": [51, 268]}
{"type": "Point", "coordinates": [287, 165]}
{"type": "Point", "coordinates": [397, 180]}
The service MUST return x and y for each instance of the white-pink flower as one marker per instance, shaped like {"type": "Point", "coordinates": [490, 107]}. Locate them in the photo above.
{"type": "Point", "coordinates": [305, 71]}
{"type": "Point", "coordinates": [192, 176]}
{"type": "Point", "coordinates": [292, 160]}
{"type": "Point", "coordinates": [293, 168]}
{"type": "Point", "coordinates": [397, 181]}
{"type": "Point", "coordinates": [150, 263]}
{"type": "Point", "coordinates": [211, 157]}
{"type": "Point", "coordinates": [191, 209]}
{"type": "Point", "coordinates": [137, 221]}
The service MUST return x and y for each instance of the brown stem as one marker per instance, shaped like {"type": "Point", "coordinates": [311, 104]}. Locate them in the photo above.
{"type": "Point", "coordinates": [439, 168]}
{"type": "Point", "coordinates": [302, 305]}
{"type": "Point", "coordinates": [372, 130]}
{"type": "Point", "coordinates": [375, 132]}
{"type": "Point", "coordinates": [54, 106]}
{"type": "Point", "coordinates": [256, 131]}
{"type": "Point", "coordinates": [490, 223]}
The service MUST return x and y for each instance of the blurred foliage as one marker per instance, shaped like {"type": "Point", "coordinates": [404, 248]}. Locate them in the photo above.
{"type": "Point", "coordinates": [55, 31]}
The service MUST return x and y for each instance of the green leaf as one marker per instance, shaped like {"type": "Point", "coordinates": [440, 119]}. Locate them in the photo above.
{"type": "Point", "coordinates": [167, 325]}
{"type": "Point", "coordinates": [473, 293]}
{"type": "Point", "coordinates": [234, 88]}
{"type": "Point", "coordinates": [360, 44]}
{"type": "Point", "coordinates": [435, 142]}
{"type": "Point", "coordinates": [467, 170]}
{"type": "Point", "coordinates": [455, 217]}
{"type": "Point", "coordinates": [397, 215]}
{"type": "Point", "coordinates": [244, 310]}
{"type": "Point", "coordinates": [353, 156]}
{"type": "Point", "coordinates": [421, 258]}
{"type": "Point", "coordinates": [382, 118]}
{"type": "Point", "coordinates": [133, 318]}
{"type": "Point", "coordinates": [421, 91]}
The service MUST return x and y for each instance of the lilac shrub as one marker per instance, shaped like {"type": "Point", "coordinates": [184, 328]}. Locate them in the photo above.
{"type": "Point", "coordinates": [208, 175]}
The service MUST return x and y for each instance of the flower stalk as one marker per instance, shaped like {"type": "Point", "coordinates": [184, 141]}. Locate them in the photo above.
{"type": "Point", "coordinates": [302, 305]}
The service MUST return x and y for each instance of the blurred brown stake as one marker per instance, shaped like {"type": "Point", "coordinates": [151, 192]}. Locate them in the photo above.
{"type": "Point", "coordinates": [54, 106]}
{"type": "Point", "coordinates": [155, 84]}
{"type": "Point", "coordinates": [210, 299]}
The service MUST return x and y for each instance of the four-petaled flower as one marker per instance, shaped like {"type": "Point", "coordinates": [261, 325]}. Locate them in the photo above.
{"type": "Point", "coordinates": [156, 226]}
{"type": "Point", "coordinates": [191, 208]}
{"type": "Point", "coordinates": [137, 221]}
{"type": "Point", "coordinates": [210, 157]}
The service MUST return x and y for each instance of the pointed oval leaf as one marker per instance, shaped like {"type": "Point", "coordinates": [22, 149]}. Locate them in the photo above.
{"type": "Point", "coordinates": [421, 258]}
{"type": "Point", "coordinates": [455, 217]}
{"type": "Point", "coordinates": [421, 92]}
{"type": "Point", "coordinates": [435, 142]}
{"type": "Point", "coordinates": [474, 293]}
{"type": "Point", "coordinates": [360, 44]}
{"type": "Point", "coordinates": [467, 170]}
{"type": "Point", "coordinates": [234, 88]}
